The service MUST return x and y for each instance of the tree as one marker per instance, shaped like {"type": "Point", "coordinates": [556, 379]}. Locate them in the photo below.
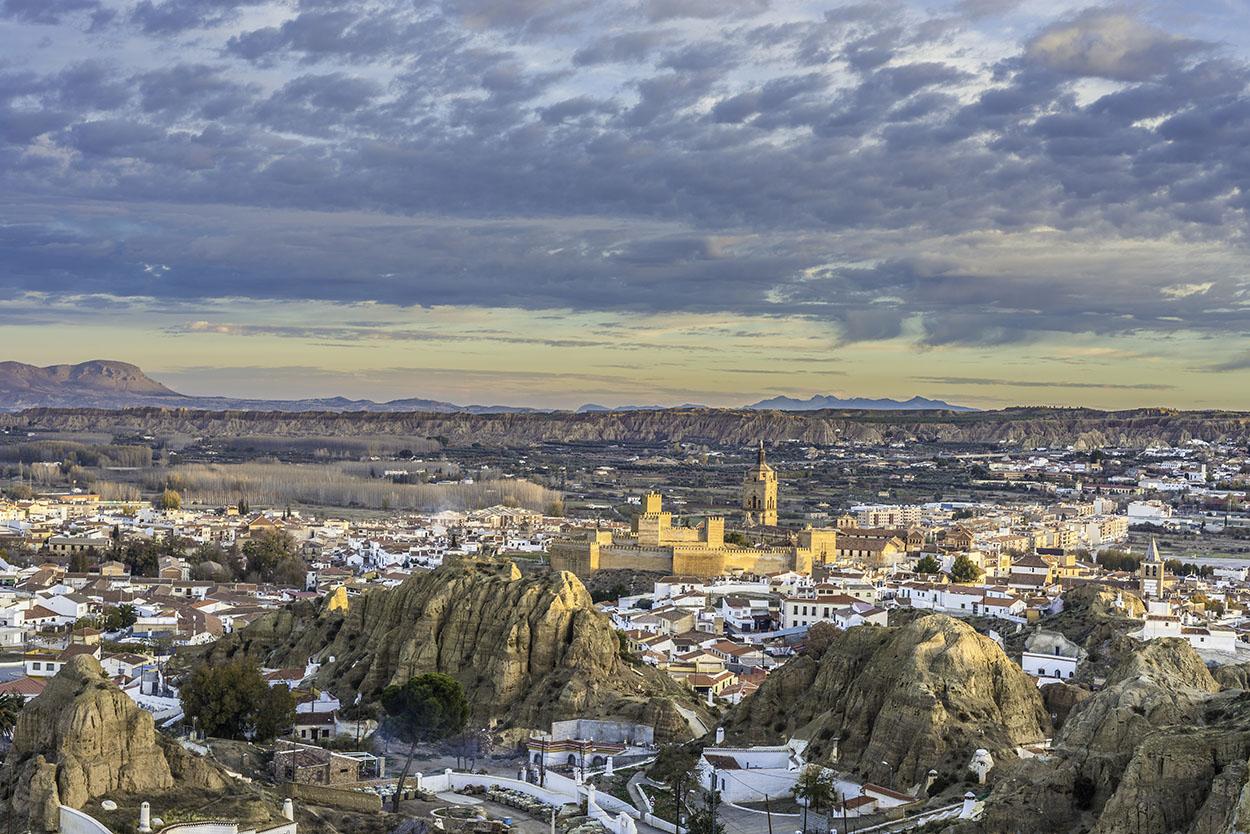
{"type": "Point", "coordinates": [270, 557]}
{"type": "Point", "coordinates": [80, 561]}
{"type": "Point", "coordinates": [427, 708]}
{"type": "Point", "coordinates": [119, 617]}
{"type": "Point", "coordinates": [233, 700]}
{"type": "Point", "coordinates": [142, 556]}
{"type": "Point", "coordinates": [242, 506]}
{"type": "Point", "coordinates": [815, 788]}
{"type": "Point", "coordinates": [214, 561]}
{"type": "Point", "coordinates": [170, 500]}
{"type": "Point", "coordinates": [964, 569]}
{"type": "Point", "coordinates": [19, 492]}
{"type": "Point", "coordinates": [10, 705]}
{"type": "Point", "coordinates": [470, 746]}
{"type": "Point", "coordinates": [703, 820]}
{"type": "Point", "coordinates": [275, 713]}
{"type": "Point", "coordinates": [675, 767]}
{"type": "Point", "coordinates": [928, 564]}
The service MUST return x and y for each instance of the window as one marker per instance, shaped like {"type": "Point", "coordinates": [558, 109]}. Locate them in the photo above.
{"type": "Point", "coordinates": [35, 666]}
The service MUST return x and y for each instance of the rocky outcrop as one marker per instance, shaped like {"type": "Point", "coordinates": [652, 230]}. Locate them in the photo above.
{"type": "Point", "coordinates": [81, 739]}
{"type": "Point", "coordinates": [99, 382]}
{"type": "Point", "coordinates": [528, 650]}
{"type": "Point", "coordinates": [1159, 749]}
{"type": "Point", "coordinates": [1232, 675]}
{"type": "Point", "coordinates": [920, 696]}
{"type": "Point", "coordinates": [1016, 427]}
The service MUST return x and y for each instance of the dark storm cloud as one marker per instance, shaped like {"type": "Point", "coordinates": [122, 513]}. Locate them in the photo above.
{"type": "Point", "coordinates": [46, 12]}
{"type": "Point", "coordinates": [853, 167]}
{"type": "Point", "coordinates": [627, 47]}
{"type": "Point", "coordinates": [706, 9]}
{"type": "Point", "coordinates": [165, 17]}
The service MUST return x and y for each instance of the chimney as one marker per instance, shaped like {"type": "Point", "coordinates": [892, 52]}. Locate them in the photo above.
{"type": "Point", "coordinates": [288, 810]}
{"type": "Point", "coordinates": [145, 818]}
{"type": "Point", "coordinates": [720, 736]}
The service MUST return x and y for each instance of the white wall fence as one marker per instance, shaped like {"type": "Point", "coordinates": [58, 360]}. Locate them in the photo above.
{"type": "Point", "coordinates": [76, 822]}
{"type": "Point", "coordinates": [450, 781]}
{"type": "Point", "coordinates": [616, 815]}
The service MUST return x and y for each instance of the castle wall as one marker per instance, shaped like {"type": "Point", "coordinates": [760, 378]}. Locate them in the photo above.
{"type": "Point", "coordinates": [577, 557]}
{"type": "Point", "coordinates": [821, 542]}
{"type": "Point", "coordinates": [625, 557]}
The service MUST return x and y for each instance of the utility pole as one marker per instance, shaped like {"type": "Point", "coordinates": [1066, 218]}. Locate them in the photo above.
{"type": "Point", "coordinates": [712, 804]}
{"type": "Point", "coordinates": [768, 809]}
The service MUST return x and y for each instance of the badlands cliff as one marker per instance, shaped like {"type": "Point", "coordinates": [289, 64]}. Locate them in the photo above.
{"type": "Point", "coordinates": [1017, 427]}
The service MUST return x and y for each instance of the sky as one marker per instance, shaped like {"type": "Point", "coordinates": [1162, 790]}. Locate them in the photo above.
{"type": "Point", "coordinates": [553, 202]}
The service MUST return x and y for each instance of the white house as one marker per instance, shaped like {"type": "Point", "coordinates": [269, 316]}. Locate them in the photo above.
{"type": "Point", "coordinates": [12, 638]}
{"type": "Point", "coordinates": [1049, 657]}
{"type": "Point", "coordinates": [1048, 667]}
{"type": "Point", "coordinates": [1206, 639]}
{"type": "Point", "coordinates": [1148, 512]}
{"type": "Point", "coordinates": [843, 610]}
{"type": "Point", "coordinates": [748, 774]}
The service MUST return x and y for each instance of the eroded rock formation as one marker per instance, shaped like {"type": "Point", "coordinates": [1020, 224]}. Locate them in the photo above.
{"type": "Point", "coordinates": [1159, 749]}
{"type": "Point", "coordinates": [1019, 427]}
{"type": "Point", "coordinates": [81, 739]}
{"type": "Point", "coordinates": [528, 650]}
{"type": "Point", "coordinates": [920, 696]}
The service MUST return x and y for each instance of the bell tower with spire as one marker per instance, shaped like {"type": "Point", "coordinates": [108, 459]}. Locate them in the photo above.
{"type": "Point", "coordinates": [759, 492]}
{"type": "Point", "coordinates": [1153, 573]}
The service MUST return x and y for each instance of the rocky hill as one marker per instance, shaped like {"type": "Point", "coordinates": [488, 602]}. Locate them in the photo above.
{"type": "Point", "coordinates": [1015, 427]}
{"type": "Point", "coordinates": [920, 696]}
{"type": "Point", "coordinates": [1159, 749]}
{"type": "Point", "coordinates": [528, 650]}
{"type": "Point", "coordinates": [96, 383]}
{"type": "Point", "coordinates": [83, 739]}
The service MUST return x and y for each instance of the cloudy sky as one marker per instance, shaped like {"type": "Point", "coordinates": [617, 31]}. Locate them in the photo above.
{"type": "Point", "coordinates": [560, 201]}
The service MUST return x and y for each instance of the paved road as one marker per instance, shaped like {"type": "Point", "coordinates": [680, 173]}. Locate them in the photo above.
{"type": "Point", "coordinates": [743, 821]}
{"type": "Point", "coordinates": [692, 719]}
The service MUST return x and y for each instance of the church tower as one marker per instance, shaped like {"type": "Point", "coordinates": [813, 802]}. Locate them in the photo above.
{"type": "Point", "coordinates": [759, 492]}
{"type": "Point", "coordinates": [1153, 573]}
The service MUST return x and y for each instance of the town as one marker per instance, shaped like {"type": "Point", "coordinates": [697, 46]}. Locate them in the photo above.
{"type": "Point", "coordinates": [717, 599]}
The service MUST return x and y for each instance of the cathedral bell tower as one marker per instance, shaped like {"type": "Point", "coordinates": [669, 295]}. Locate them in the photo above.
{"type": "Point", "coordinates": [759, 492]}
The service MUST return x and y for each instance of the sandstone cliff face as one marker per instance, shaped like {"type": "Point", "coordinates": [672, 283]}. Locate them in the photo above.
{"type": "Point", "coordinates": [1024, 427]}
{"type": "Point", "coordinates": [1160, 749]}
{"type": "Point", "coordinates": [924, 695]}
{"type": "Point", "coordinates": [81, 739]}
{"type": "Point", "coordinates": [528, 650]}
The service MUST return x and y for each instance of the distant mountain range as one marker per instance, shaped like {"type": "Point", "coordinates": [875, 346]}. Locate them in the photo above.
{"type": "Point", "coordinates": [818, 402]}
{"type": "Point", "coordinates": [102, 383]}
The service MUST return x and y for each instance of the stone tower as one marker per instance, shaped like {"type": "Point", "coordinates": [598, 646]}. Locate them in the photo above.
{"type": "Point", "coordinates": [1153, 573]}
{"type": "Point", "coordinates": [759, 492]}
